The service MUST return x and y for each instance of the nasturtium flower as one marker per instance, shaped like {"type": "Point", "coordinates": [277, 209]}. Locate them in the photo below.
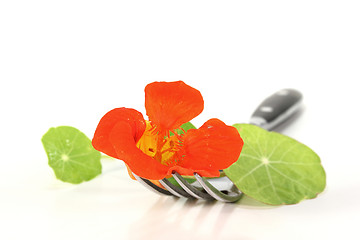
{"type": "Point", "coordinates": [148, 148]}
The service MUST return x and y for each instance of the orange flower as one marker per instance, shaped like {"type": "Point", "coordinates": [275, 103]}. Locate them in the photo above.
{"type": "Point", "coordinates": [147, 147]}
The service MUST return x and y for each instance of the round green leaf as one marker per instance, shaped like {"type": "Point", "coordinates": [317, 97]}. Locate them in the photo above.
{"type": "Point", "coordinates": [71, 154]}
{"type": "Point", "coordinates": [276, 169]}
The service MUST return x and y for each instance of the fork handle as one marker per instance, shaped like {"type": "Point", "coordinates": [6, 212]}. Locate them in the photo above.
{"type": "Point", "coordinates": [276, 108]}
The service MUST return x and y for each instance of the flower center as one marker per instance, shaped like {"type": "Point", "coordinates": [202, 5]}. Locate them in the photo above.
{"type": "Point", "coordinates": [158, 146]}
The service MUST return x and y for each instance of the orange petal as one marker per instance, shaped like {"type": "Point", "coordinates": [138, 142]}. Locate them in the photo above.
{"type": "Point", "coordinates": [130, 172]}
{"type": "Point", "coordinates": [170, 104]}
{"type": "Point", "coordinates": [135, 120]}
{"type": "Point", "coordinates": [123, 141]}
{"type": "Point", "coordinates": [214, 146]}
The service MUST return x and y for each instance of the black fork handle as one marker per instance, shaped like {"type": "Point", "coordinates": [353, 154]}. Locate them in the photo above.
{"type": "Point", "coordinates": [277, 108]}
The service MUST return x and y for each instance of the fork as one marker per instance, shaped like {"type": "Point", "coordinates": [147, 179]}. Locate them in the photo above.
{"type": "Point", "coordinates": [274, 110]}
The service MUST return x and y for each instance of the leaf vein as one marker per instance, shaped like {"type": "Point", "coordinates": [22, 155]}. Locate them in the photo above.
{"type": "Point", "coordinates": [290, 178]}
{"type": "Point", "coordinates": [250, 172]}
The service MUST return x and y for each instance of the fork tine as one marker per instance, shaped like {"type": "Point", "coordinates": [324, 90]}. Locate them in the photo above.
{"type": "Point", "coordinates": [233, 196]}
{"type": "Point", "coordinates": [177, 191]}
{"type": "Point", "coordinates": [193, 191]}
{"type": "Point", "coordinates": [149, 185]}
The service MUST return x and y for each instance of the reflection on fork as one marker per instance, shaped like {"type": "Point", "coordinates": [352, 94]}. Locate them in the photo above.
{"type": "Point", "coordinates": [221, 189]}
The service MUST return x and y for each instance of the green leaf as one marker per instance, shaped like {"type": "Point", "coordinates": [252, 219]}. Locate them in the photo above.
{"type": "Point", "coordinates": [276, 169]}
{"type": "Point", "coordinates": [189, 179]}
{"type": "Point", "coordinates": [185, 127]}
{"type": "Point", "coordinates": [71, 154]}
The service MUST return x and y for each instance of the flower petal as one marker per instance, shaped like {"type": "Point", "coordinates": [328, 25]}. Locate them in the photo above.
{"type": "Point", "coordinates": [190, 172]}
{"type": "Point", "coordinates": [214, 146]}
{"type": "Point", "coordinates": [124, 144]}
{"type": "Point", "coordinates": [101, 137]}
{"type": "Point", "coordinates": [170, 104]}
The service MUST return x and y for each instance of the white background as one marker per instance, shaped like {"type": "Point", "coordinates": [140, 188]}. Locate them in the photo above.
{"type": "Point", "coordinates": [69, 62]}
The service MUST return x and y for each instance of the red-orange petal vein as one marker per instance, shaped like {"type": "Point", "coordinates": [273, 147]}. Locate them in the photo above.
{"type": "Point", "coordinates": [130, 116]}
{"type": "Point", "coordinates": [117, 134]}
{"type": "Point", "coordinates": [123, 141]}
{"type": "Point", "coordinates": [214, 145]}
{"type": "Point", "coordinates": [170, 104]}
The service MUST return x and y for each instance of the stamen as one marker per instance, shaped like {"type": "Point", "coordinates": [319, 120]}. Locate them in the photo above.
{"type": "Point", "coordinates": [160, 145]}
{"type": "Point", "coordinates": [152, 130]}
{"type": "Point", "coordinates": [167, 150]}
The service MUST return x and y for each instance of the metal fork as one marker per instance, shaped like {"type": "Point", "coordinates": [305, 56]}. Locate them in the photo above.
{"type": "Point", "coordinates": [269, 114]}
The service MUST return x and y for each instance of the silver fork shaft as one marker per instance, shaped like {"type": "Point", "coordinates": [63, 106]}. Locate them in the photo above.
{"type": "Point", "coordinates": [232, 196]}
{"type": "Point", "coordinates": [179, 192]}
{"type": "Point", "coordinates": [190, 189]}
{"type": "Point", "coordinates": [149, 185]}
